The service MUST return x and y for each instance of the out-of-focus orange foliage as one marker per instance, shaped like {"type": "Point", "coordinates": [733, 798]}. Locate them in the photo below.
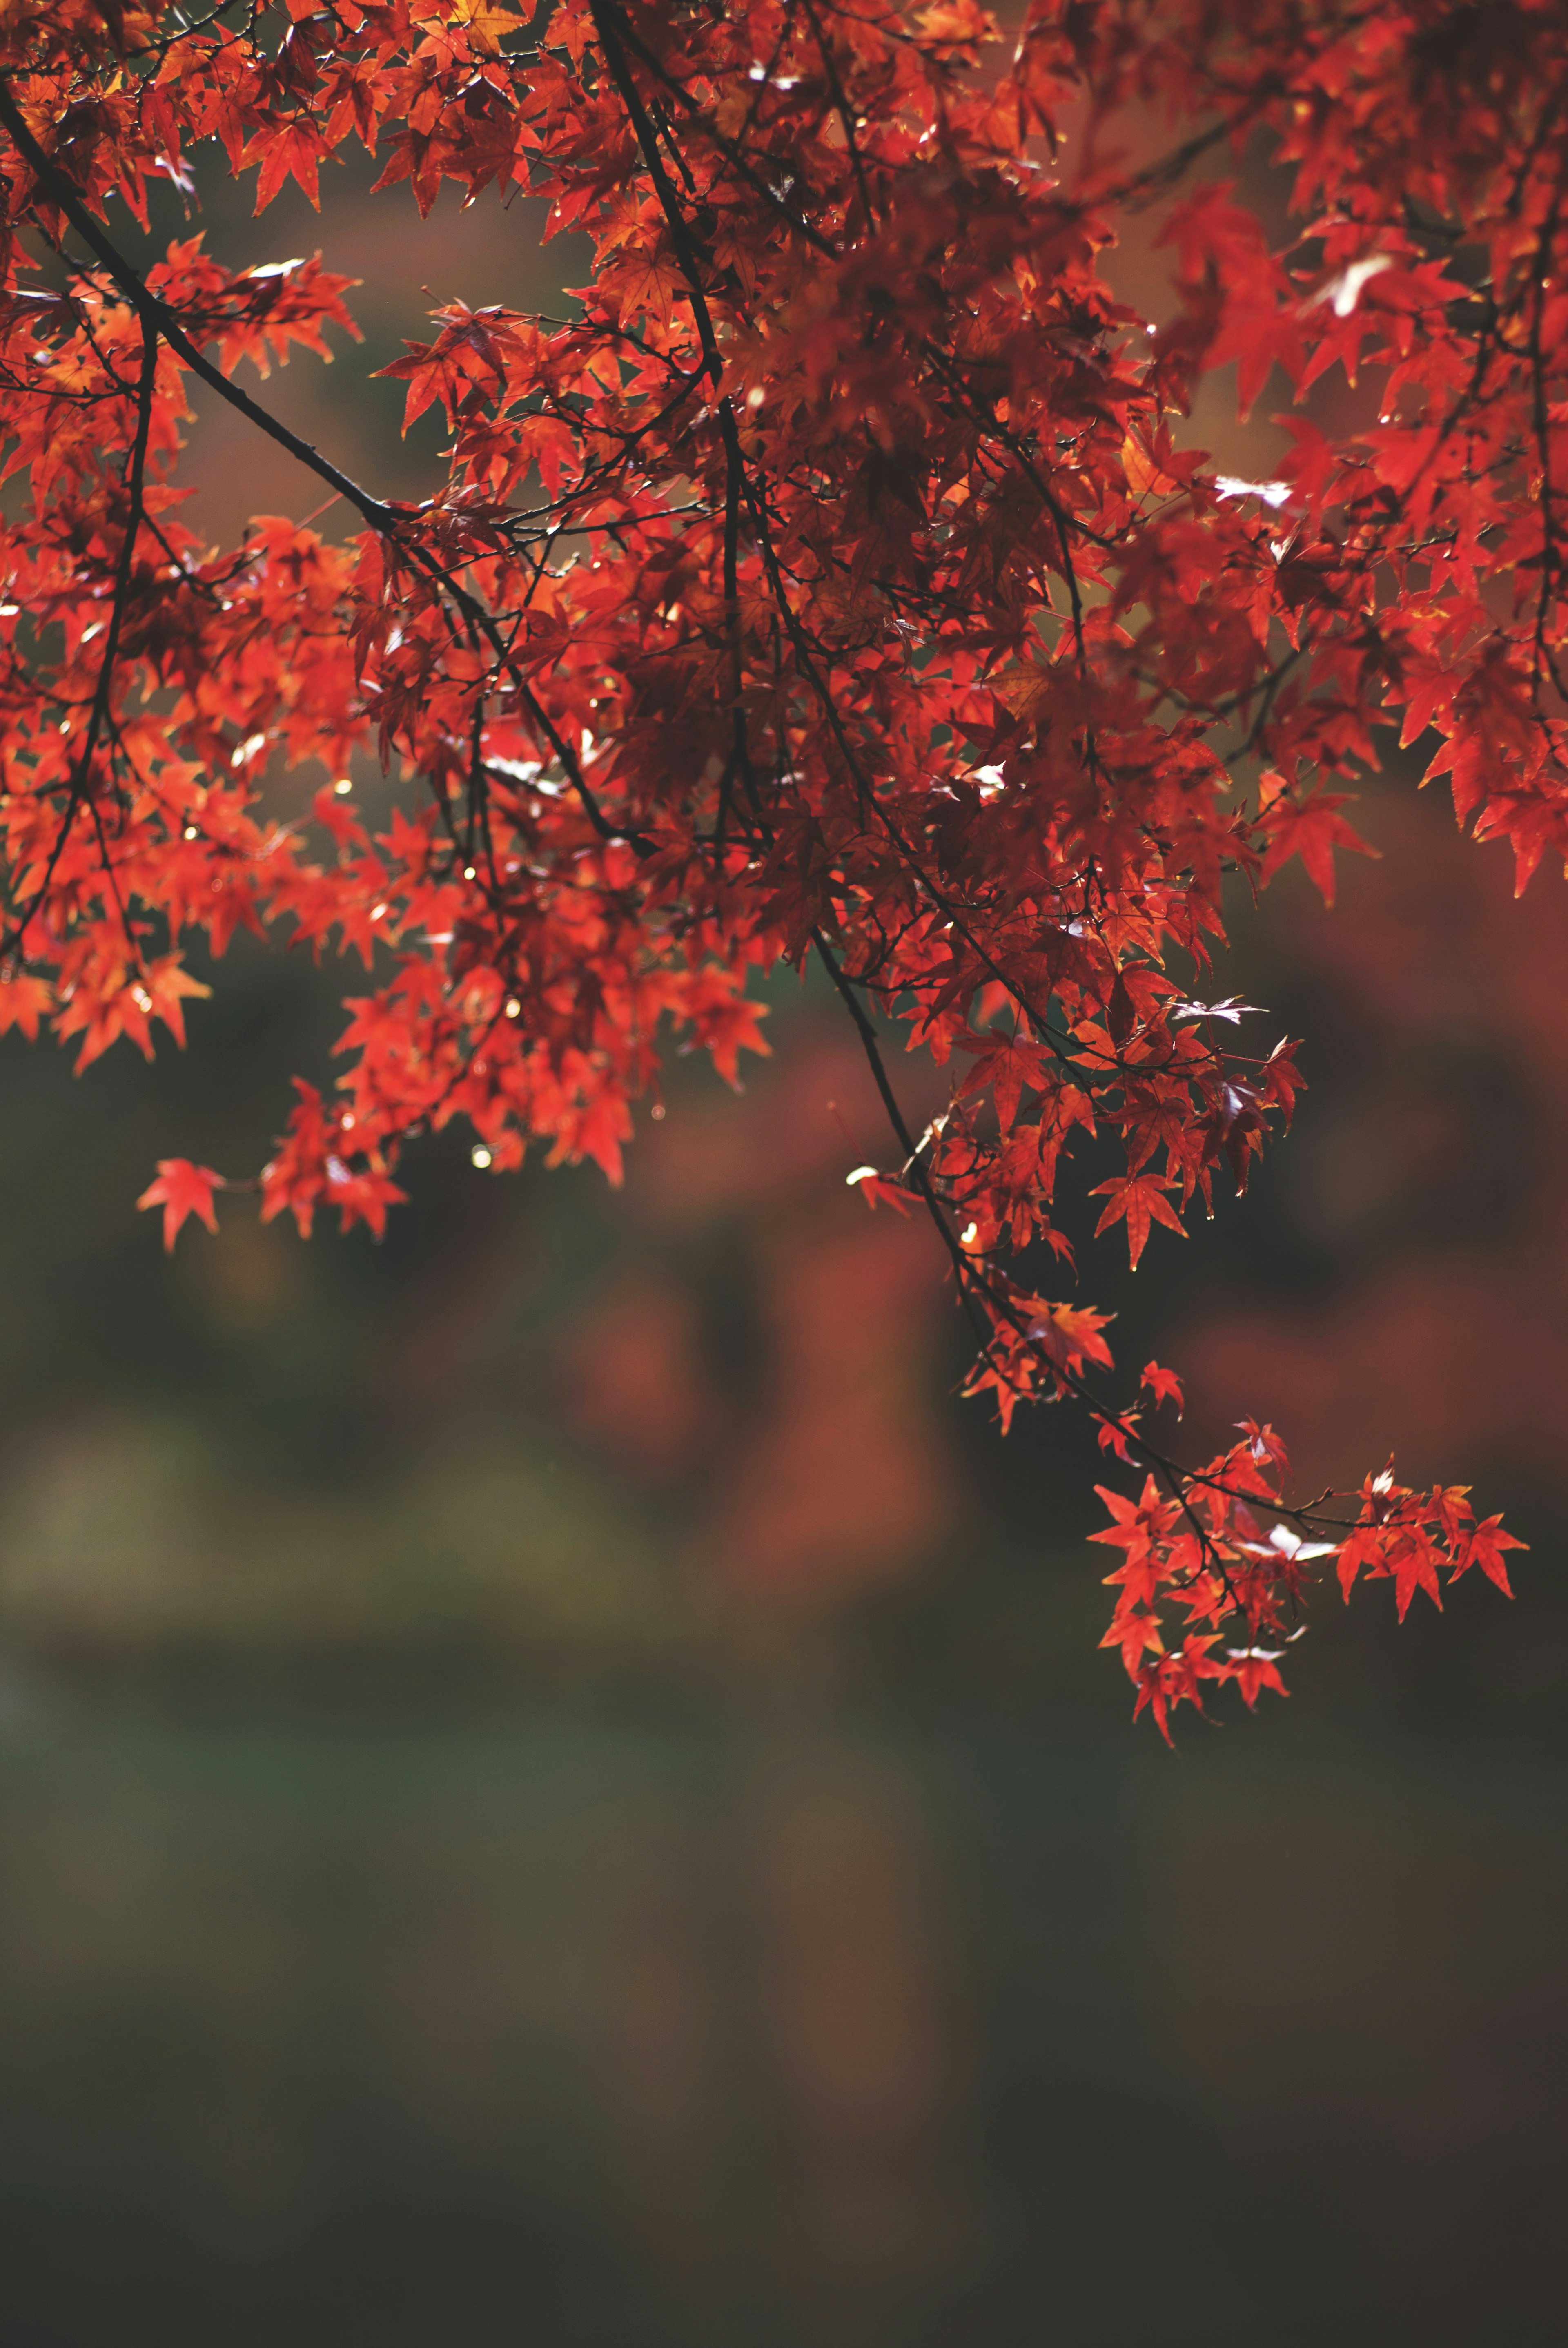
{"type": "Point", "coordinates": [835, 583]}
{"type": "Point", "coordinates": [1433, 1184]}
{"type": "Point", "coordinates": [842, 1478]}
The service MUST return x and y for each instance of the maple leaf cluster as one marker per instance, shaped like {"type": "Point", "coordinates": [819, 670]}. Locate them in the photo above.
{"type": "Point", "coordinates": [836, 582]}
{"type": "Point", "coordinates": [1206, 1549]}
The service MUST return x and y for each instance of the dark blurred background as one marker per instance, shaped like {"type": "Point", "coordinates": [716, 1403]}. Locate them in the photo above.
{"type": "Point", "coordinates": [556, 1783]}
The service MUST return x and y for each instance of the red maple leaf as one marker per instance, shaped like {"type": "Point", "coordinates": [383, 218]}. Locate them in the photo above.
{"type": "Point", "coordinates": [1164, 1385]}
{"type": "Point", "coordinates": [1413, 1561]}
{"type": "Point", "coordinates": [1254, 1668]}
{"type": "Point", "coordinates": [1141, 1198]}
{"type": "Point", "coordinates": [1311, 828]}
{"type": "Point", "coordinates": [182, 1189]}
{"type": "Point", "coordinates": [1484, 1546]}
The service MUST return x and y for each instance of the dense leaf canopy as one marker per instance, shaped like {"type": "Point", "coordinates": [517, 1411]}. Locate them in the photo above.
{"type": "Point", "coordinates": [838, 581]}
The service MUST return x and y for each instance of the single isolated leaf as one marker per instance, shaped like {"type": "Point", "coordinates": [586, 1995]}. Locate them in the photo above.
{"type": "Point", "coordinates": [1253, 1668]}
{"type": "Point", "coordinates": [1164, 1385]}
{"type": "Point", "coordinates": [1484, 1546]}
{"type": "Point", "coordinates": [1312, 831]}
{"type": "Point", "coordinates": [1141, 1199]}
{"type": "Point", "coordinates": [182, 1189]}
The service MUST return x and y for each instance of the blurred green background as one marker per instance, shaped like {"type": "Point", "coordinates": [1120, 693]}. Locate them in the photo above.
{"type": "Point", "coordinates": [556, 1783]}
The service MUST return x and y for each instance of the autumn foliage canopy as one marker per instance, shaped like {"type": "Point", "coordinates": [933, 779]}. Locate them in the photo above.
{"type": "Point", "coordinates": [838, 581]}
